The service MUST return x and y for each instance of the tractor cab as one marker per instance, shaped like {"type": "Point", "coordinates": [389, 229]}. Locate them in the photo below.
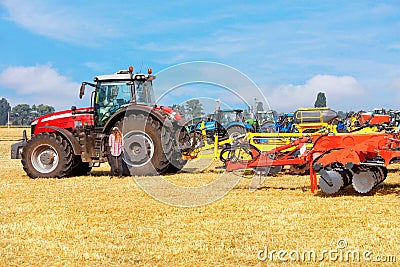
{"type": "Point", "coordinates": [379, 111]}
{"type": "Point", "coordinates": [265, 117]}
{"type": "Point", "coordinates": [116, 91]}
{"type": "Point", "coordinates": [394, 118]}
{"type": "Point", "coordinates": [226, 117]}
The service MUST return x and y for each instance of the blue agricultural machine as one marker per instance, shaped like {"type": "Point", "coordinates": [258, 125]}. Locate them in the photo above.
{"type": "Point", "coordinates": [263, 121]}
{"type": "Point", "coordinates": [268, 122]}
{"type": "Point", "coordinates": [303, 120]}
{"type": "Point", "coordinates": [227, 123]}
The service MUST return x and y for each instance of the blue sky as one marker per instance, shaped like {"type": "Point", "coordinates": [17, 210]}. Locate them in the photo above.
{"type": "Point", "coordinates": [291, 49]}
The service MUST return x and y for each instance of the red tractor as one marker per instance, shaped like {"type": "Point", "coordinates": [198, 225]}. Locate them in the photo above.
{"type": "Point", "coordinates": [73, 141]}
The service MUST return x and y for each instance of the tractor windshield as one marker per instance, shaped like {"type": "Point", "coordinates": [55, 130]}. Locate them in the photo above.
{"type": "Point", "coordinates": [110, 97]}
{"type": "Point", "coordinates": [265, 117]}
{"type": "Point", "coordinates": [226, 117]}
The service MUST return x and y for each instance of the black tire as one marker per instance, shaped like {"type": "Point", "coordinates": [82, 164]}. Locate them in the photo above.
{"type": "Point", "coordinates": [176, 163]}
{"type": "Point", "coordinates": [47, 155]}
{"type": "Point", "coordinates": [146, 150]}
{"type": "Point", "coordinates": [235, 131]}
{"type": "Point", "coordinates": [181, 142]}
{"type": "Point", "coordinates": [80, 168]}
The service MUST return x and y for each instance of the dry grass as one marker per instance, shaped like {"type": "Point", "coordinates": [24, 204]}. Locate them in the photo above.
{"type": "Point", "coordinates": [92, 220]}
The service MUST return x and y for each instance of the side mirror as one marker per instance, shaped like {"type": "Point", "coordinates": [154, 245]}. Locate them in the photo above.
{"type": "Point", "coordinates": [82, 90]}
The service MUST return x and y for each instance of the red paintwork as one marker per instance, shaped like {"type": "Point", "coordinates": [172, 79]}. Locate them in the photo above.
{"type": "Point", "coordinates": [373, 119]}
{"type": "Point", "coordinates": [169, 110]}
{"type": "Point", "coordinates": [346, 148]}
{"type": "Point", "coordinates": [64, 119]}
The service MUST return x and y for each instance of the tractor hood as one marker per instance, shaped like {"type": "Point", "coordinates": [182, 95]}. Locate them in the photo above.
{"type": "Point", "coordinates": [67, 119]}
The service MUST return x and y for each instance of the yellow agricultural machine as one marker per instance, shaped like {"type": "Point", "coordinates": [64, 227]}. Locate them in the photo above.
{"type": "Point", "coordinates": [310, 120]}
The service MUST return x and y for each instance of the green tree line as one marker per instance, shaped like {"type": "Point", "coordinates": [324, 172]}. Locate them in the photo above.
{"type": "Point", "coordinates": [21, 114]}
{"type": "Point", "coordinates": [192, 109]}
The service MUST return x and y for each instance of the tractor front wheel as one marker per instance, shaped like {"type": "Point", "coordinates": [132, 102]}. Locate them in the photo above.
{"type": "Point", "coordinates": [47, 155]}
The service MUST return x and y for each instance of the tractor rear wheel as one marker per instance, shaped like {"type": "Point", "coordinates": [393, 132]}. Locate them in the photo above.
{"type": "Point", "coordinates": [143, 146]}
{"type": "Point", "coordinates": [47, 155]}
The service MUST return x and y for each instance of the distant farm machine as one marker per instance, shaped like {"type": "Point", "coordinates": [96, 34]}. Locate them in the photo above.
{"type": "Point", "coordinates": [303, 120]}
{"type": "Point", "coordinates": [266, 130]}
{"type": "Point", "coordinates": [215, 131]}
{"type": "Point", "coordinates": [227, 123]}
{"type": "Point", "coordinates": [73, 141]}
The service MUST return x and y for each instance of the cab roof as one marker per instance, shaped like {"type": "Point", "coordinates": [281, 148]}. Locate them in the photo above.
{"type": "Point", "coordinates": [123, 76]}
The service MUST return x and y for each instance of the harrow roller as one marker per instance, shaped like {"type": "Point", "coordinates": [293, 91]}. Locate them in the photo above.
{"type": "Point", "coordinates": [366, 180]}
{"type": "Point", "coordinates": [331, 182]}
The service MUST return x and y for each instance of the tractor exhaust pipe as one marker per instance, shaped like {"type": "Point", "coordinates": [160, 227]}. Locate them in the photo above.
{"type": "Point", "coordinates": [366, 180]}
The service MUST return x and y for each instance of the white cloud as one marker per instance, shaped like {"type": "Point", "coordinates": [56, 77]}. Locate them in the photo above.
{"type": "Point", "coordinates": [96, 66]}
{"type": "Point", "coordinates": [40, 84]}
{"type": "Point", "coordinates": [342, 93]}
{"type": "Point", "coordinates": [58, 21]}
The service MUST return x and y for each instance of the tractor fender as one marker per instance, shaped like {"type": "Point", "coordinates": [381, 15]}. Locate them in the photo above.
{"type": "Point", "coordinates": [249, 127]}
{"type": "Point", "coordinates": [76, 147]}
{"type": "Point", "coordinates": [117, 116]}
{"type": "Point", "coordinates": [137, 109]}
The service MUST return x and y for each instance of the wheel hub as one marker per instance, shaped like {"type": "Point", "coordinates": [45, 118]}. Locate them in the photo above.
{"type": "Point", "coordinates": [46, 158]}
{"type": "Point", "coordinates": [138, 148]}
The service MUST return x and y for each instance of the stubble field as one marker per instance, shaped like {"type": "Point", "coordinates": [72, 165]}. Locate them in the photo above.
{"type": "Point", "coordinates": [92, 220]}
